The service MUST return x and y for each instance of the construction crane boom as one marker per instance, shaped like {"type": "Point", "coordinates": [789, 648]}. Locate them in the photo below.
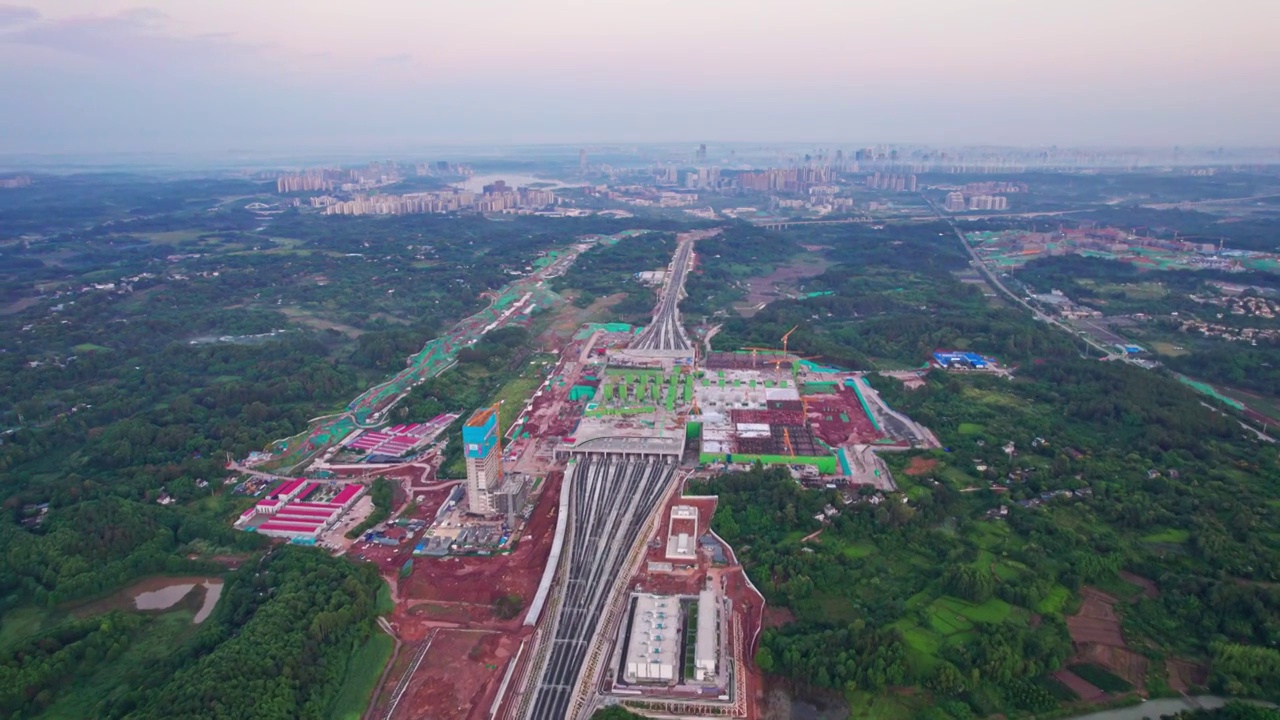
{"type": "Point", "coordinates": [785, 337]}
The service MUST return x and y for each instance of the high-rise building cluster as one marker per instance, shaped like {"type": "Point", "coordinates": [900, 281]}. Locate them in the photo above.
{"type": "Point", "coordinates": [988, 202]}
{"type": "Point", "coordinates": [310, 181]}
{"type": "Point", "coordinates": [794, 180]}
{"type": "Point", "coordinates": [703, 178]}
{"type": "Point", "coordinates": [502, 198]}
{"type": "Point", "coordinates": [992, 188]}
{"type": "Point", "coordinates": [892, 182]}
{"type": "Point", "coordinates": [957, 202]}
{"type": "Point", "coordinates": [667, 175]}
{"type": "Point", "coordinates": [375, 174]}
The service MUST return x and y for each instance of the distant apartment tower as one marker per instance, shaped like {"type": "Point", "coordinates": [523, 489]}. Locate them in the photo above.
{"type": "Point", "coordinates": [483, 454]}
{"type": "Point", "coordinates": [582, 159]}
{"type": "Point", "coordinates": [303, 182]}
{"type": "Point", "coordinates": [955, 202]}
{"type": "Point", "coordinates": [988, 202]}
{"type": "Point", "coordinates": [911, 183]}
{"type": "Point", "coordinates": [702, 153]}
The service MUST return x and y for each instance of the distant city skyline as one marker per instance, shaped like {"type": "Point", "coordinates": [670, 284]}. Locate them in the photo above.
{"type": "Point", "coordinates": [205, 76]}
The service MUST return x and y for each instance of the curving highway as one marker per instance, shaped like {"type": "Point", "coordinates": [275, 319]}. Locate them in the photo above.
{"type": "Point", "coordinates": [611, 498]}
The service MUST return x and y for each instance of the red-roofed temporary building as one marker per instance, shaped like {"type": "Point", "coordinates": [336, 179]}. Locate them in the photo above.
{"type": "Point", "coordinates": [286, 490]}
{"type": "Point", "coordinates": [348, 495]}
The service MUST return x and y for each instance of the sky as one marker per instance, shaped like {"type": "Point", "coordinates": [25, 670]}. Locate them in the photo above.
{"type": "Point", "coordinates": [227, 76]}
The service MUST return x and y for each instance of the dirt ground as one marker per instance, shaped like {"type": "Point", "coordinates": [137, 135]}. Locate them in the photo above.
{"type": "Point", "coordinates": [767, 288]}
{"type": "Point", "coordinates": [1123, 662]}
{"type": "Point", "coordinates": [471, 647]}
{"type": "Point", "coordinates": [482, 579]}
{"type": "Point", "coordinates": [777, 617]}
{"type": "Point", "coordinates": [825, 412]}
{"type": "Point", "coordinates": [1149, 589]}
{"type": "Point", "coordinates": [570, 317]}
{"type": "Point", "coordinates": [1098, 639]}
{"type": "Point", "coordinates": [1096, 622]}
{"type": "Point", "coordinates": [1185, 675]}
{"type": "Point", "coordinates": [920, 466]}
{"type": "Point", "coordinates": [688, 577]}
{"type": "Point", "coordinates": [390, 558]}
{"type": "Point", "coordinates": [458, 678]}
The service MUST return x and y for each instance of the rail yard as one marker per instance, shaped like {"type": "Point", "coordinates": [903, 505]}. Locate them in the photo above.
{"type": "Point", "coordinates": [571, 570]}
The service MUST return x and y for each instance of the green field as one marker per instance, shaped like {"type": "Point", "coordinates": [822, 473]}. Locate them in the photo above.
{"type": "Point", "coordinates": [970, 429]}
{"type": "Point", "coordinates": [1055, 601]}
{"type": "Point", "coordinates": [516, 393]}
{"type": "Point", "coordinates": [83, 348]}
{"type": "Point", "coordinates": [22, 622]}
{"type": "Point", "coordinates": [991, 611]}
{"type": "Point", "coordinates": [363, 671]}
{"type": "Point", "coordinates": [1131, 291]}
{"type": "Point", "coordinates": [385, 604]}
{"type": "Point", "coordinates": [1059, 691]}
{"type": "Point", "coordinates": [1101, 678]}
{"type": "Point", "coordinates": [1172, 536]}
{"type": "Point", "coordinates": [880, 707]}
{"type": "Point", "coordinates": [1005, 571]}
{"type": "Point", "coordinates": [1167, 348]}
{"type": "Point", "coordinates": [837, 608]}
{"type": "Point", "coordinates": [988, 535]}
{"type": "Point", "coordinates": [857, 550]}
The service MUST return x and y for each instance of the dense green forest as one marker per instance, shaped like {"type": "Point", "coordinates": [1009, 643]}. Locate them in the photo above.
{"type": "Point", "coordinates": [1116, 469]}
{"type": "Point", "coordinates": [723, 262]}
{"type": "Point", "coordinates": [154, 328]}
{"type": "Point", "coordinates": [276, 645]}
{"type": "Point", "coordinates": [610, 269]}
{"type": "Point", "coordinates": [1109, 286]}
{"type": "Point", "coordinates": [145, 342]}
{"type": "Point", "coordinates": [894, 300]}
{"type": "Point", "coordinates": [1231, 711]}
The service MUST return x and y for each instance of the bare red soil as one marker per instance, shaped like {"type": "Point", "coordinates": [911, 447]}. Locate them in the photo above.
{"type": "Point", "coordinates": [920, 466]}
{"type": "Point", "coordinates": [1098, 639]}
{"type": "Point", "coordinates": [777, 617]}
{"type": "Point", "coordinates": [459, 676]}
{"type": "Point", "coordinates": [1096, 622]}
{"type": "Point", "coordinates": [1149, 589]}
{"type": "Point", "coordinates": [464, 666]}
{"type": "Point", "coordinates": [482, 579]}
{"type": "Point", "coordinates": [825, 415]}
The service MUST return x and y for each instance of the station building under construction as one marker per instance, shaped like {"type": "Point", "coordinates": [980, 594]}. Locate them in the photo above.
{"type": "Point", "coordinates": [671, 640]}
{"type": "Point", "coordinates": [750, 415]}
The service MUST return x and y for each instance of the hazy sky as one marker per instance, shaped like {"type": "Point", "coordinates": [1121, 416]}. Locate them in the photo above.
{"type": "Point", "coordinates": [217, 75]}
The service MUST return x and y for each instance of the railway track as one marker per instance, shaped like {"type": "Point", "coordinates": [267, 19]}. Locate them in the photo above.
{"type": "Point", "coordinates": [612, 498]}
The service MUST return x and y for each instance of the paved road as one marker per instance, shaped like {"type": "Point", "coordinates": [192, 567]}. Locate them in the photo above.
{"type": "Point", "coordinates": [1200, 203]}
{"type": "Point", "coordinates": [611, 498]}
{"type": "Point", "coordinates": [995, 282]}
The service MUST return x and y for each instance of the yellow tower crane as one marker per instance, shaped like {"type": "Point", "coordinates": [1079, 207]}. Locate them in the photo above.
{"type": "Point", "coordinates": [785, 337]}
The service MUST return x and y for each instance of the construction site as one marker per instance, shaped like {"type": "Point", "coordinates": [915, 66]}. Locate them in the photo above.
{"type": "Point", "coordinates": [569, 571]}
